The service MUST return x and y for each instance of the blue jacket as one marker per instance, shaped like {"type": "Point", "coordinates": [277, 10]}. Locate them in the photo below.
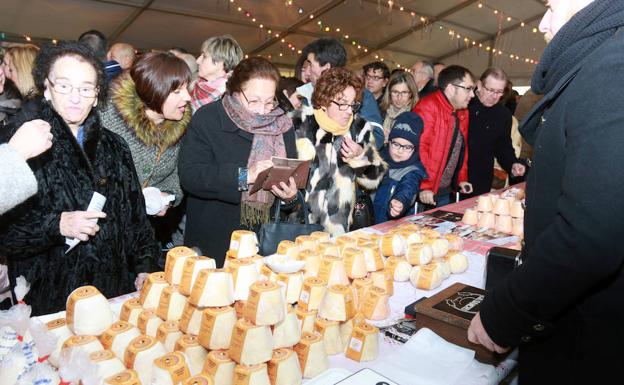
{"type": "Point", "coordinates": [401, 184]}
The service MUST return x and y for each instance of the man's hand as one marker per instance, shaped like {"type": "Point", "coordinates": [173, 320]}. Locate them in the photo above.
{"type": "Point", "coordinates": [518, 169]}
{"type": "Point", "coordinates": [396, 208]}
{"type": "Point", "coordinates": [426, 197]}
{"type": "Point", "coordinates": [80, 224]}
{"type": "Point", "coordinates": [478, 335]}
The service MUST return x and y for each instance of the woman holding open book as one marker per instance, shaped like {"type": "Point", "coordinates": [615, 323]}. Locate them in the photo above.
{"type": "Point", "coordinates": [227, 145]}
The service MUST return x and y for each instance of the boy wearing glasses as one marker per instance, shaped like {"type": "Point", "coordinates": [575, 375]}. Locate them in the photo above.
{"type": "Point", "coordinates": [399, 187]}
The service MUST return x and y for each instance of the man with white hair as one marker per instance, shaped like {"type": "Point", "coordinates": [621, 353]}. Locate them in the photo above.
{"type": "Point", "coordinates": [122, 53]}
{"type": "Point", "coordinates": [422, 71]}
{"type": "Point", "coordinates": [563, 305]}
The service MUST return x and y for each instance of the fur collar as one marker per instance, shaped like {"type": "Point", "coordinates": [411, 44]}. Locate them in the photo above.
{"type": "Point", "coordinates": [133, 111]}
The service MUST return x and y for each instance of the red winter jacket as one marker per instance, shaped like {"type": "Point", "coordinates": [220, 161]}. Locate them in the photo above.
{"type": "Point", "coordinates": [437, 114]}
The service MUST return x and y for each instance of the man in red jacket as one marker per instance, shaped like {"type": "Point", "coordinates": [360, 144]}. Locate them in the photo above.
{"type": "Point", "coordinates": [443, 144]}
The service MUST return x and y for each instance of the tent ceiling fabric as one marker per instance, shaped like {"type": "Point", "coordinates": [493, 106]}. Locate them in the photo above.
{"type": "Point", "coordinates": [392, 34]}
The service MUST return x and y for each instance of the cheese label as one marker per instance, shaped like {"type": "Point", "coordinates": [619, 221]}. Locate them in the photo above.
{"type": "Point", "coordinates": [128, 307]}
{"type": "Point", "coordinates": [304, 297]}
{"type": "Point", "coordinates": [152, 280]}
{"type": "Point", "coordinates": [391, 264]}
{"type": "Point", "coordinates": [137, 345]}
{"type": "Point", "coordinates": [113, 331]}
{"type": "Point", "coordinates": [144, 318]}
{"type": "Point", "coordinates": [214, 360]}
{"type": "Point", "coordinates": [357, 343]}
{"type": "Point", "coordinates": [187, 275]}
{"type": "Point", "coordinates": [187, 314]}
{"type": "Point", "coordinates": [77, 295]}
{"type": "Point", "coordinates": [165, 329]}
{"type": "Point", "coordinates": [239, 334]}
{"type": "Point", "coordinates": [185, 342]}
{"type": "Point", "coordinates": [327, 264]}
{"type": "Point", "coordinates": [279, 356]}
{"type": "Point", "coordinates": [175, 364]}
{"type": "Point", "coordinates": [425, 276]}
{"type": "Point", "coordinates": [284, 246]}
{"type": "Point", "coordinates": [303, 347]}
{"type": "Point", "coordinates": [101, 355]}
{"type": "Point", "coordinates": [373, 295]}
{"type": "Point", "coordinates": [165, 298]}
{"type": "Point", "coordinates": [57, 323]}
{"type": "Point", "coordinates": [170, 263]}
{"type": "Point", "coordinates": [266, 272]}
{"type": "Point", "coordinates": [199, 379]}
{"type": "Point", "coordinates": [255, 293]}
{"type": "Point", "coordinates": [78, 341]}
{"type": "Point", "coordinates": [127, 377]}
{"type": "Point", "coordinates": [243, 373]}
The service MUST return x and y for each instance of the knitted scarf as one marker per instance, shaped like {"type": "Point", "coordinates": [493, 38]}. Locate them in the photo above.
{"type": "Point", "coordinates": [208, 91]}
{"type": "Point", "coordinates": [391, 115]}
{"type": "Point", "coordinates": [330, 125]}
{"type": "Point", "coordinates": [268, 141]}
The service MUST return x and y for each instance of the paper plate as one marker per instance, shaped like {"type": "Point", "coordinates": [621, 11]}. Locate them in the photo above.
{"type": "Point", "coordinates": [283, 264]}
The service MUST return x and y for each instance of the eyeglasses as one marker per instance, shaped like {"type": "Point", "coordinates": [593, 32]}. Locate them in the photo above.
{"type": "Point", "coordinates": [66, 89]}
{"type": "Point", "coordinates": [469, 89]}
{"type": "Point", "coordinates": [496, 92]}
{"type": "Point", "coordinates": [258, 103]}
{"type": "Point", "coordinates": [343, 106]}
{"type": "Point", "coordinates": [401, 93]}
{"type": "Point", "coordinates": [401, 147]}
{"type": "Point", "coordinates": [374, 77]}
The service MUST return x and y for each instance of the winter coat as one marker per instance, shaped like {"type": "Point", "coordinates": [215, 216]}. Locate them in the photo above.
{"type": "Point", "coordinates": [563, 305]}
{"type": "Point", "coordinates": [330, 193]}
{"type": "Point", "coordinates": [401, 184]}
{"type": "Point", "coordinates": [17, 181]}
{"type": "Point", "coordinates": [489, 137]}
{"type": "Point", "coordinates": [154, 147]}
{"type": "Point", "coordinates": [212, 152]}
{"type": "Point", "coordinates": [435, 142]}
{"type": "Point", "coordinates": [68, 176]}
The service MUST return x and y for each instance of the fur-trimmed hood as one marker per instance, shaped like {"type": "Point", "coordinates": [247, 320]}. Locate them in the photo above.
{"type": "Point", "coordinates": [133, 111]}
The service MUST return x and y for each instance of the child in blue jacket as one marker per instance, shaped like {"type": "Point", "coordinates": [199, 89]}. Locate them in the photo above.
{"type": "Point", "coordinates": [399, 188]}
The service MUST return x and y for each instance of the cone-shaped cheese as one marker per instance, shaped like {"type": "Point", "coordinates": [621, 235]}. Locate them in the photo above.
{"type": "Point", "coordinates": [392, 244]}
{"type": "Point", "coordinates": [360, 287]}
{"type": "Point", "coordinates": [266, 274]}
{"type": "Point", "coordinates": [458, 262]}
{"type": "Point", "coordinates": [172, 304]}
{"type": "Point", "coordinates": [355, 263]}
{"type": "Point", "coordinates": [293, 283]}
{"type": "Point", "coordinates": [398, 268]}
{"type": "Point", "coordinates": [306, 242]}
{"type": "Point", "coordinates": [152, 289]}
{"type": "Point", "coordinates": [174, 264]}
{"type": "Point", "coordinates": [265, 305]}
{"type": "Point", "coordinates": [251, 344]}
{"type": "Point", "coordinates": [320, 236]}
{"type": "Point", "coordinates": [328, 248]}
{"type": "Point", "coordinates": [201, 379]}
{"type": "Point", "coordinates": [470, 217]}
{"type": "Point", "coordinates": [408, 226]}
{"type": "Point", "coordinates": [517, 211]}
{"type": "Point", "coordinates": [330, 330]}
{"type": "Point", "coordinates": [140, 356]}
{"type": "Point", "coordinates": [312, 263]}
{"type": "Point", "coordinates": [383, 279]}
{"type": "Point", "coordinates": [456, 243]}
{"type": "Point", "coordinates": [170, 369]}
{"type": "Point", "coordinates": [373, 260]}
{"type": "Point", "coordinates": [430, 233]}
{"type": "Point", "coordinates": [443, 267]}
{"type": "Point", "coordinates": [127, 377]}
{"type": "Point", "coordinates": [216, 327]}
{"type": "Point", "coordinates": [220, 367]}
{"type": "Point", "coordinates": [149, 322]}
{"type": "Point", "coordinates": [244, 243]}
{"type": "Point", "coordinates": [107, 363]}
{"type": "Point", "coordinates": [284, 368]}
{"type": "Point", "coordinates": [413, 237]}
{"type": "Point", "coordinates": [419, 254]}
{"type": "Point", "coordinates": [118, 336]}
{"type": "Point", "coordinates": [194, 352]}
{"type": "Point", "coordinates": [376, 306]}
{"type": "Point", "coordinates": [168, 334]}
{"type": "Point", "coordinates": [244, 274]}
{"type": "Point", "coordinates": [346, 328]}
{"type": "Point", "coordinates": [58, 328]}
{"type": "Point", "coordinates": [439, 246]}
{"type": "Point", "coordinates": [289, 249]}
{"type": "Point", "coordinates": [337, 304]}
{"type": "Point", "coordinates": [130, 311]}
{"type": "Point", "coordinates": [312, 355]}
{"type": "Point", "coordinates": [345, 241]}
{"type": "Point", "coordinates": [333, 271]}
{"type": "Point", "coordinates": [88, 344]}
{"type": "Point", "coordinates": [213, 287]}
{"type": "Point", "coordinates": [88, 311]}
{"type": "Point", "coordinates": [364, 343]}
{"type": "Point", "coordinates": [312, 293]}
{"type": "Point", "coordinates": [190, 322]}
{"type": "Point", "coordinates": [192, 267]}
{"type": "Point", "coordinates": [425, 277]}
{"type": "Point", "coordinates": [287, 333]}
{"type": "Point", "coordinates": [251, 375]}
{"type": "Point", "coordinates": [306, 319]}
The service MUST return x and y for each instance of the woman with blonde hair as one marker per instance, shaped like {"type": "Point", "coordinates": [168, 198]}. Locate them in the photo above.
{"type": "Point", "coordinates": [401, 95]}
{"type": "Point", "coordinates": [18, 65]}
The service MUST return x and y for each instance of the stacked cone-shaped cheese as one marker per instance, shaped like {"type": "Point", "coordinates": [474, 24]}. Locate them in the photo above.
{"type": "Point", "coordinates": [330, 331]}
{"type": "Point", "coordinates": [457, 261]}
{"type": "Point", "coordinates": [118, 336]}
{"type": "Point", "coordinates": [220, 367]}
{"type": "Point", "coordinates": [87, 344]}
{"type": "Point", "coordinates": [346, 328]}
{"type": "Point", "coordinates": [360, 287]}
{"type": "Point", "coordinates": [312, 263]}
{"type": "Point", "coordinates": [398, 268]}
{"type": "Point", "coordinates": [284, 368]}
{"type": "Point", "coordinates": [244, 243]}
{"type": "Point", "coordinates": [337, 304]}
{"type": "Point", "coordinates": [58, 328]}
{"type": "Point", "coordinates": [266, 274]}
{"type": "Point", "coordinates": [194, 352]}
{"type": "Point", "coordinates": [127, 377]}
{"type": "Point", "coordinates": [419, 254]}
{"type": "Point", "coordinates": [392, 244]}
{"type": "Point", "coordinates": [306, 242]}
{"type": "Point", "coordinates": [172, 304]}
{"type": "Point", "coordinates": [345, 241]}
{"type": "Point", "coordinates": [312, 293]}
{"type": "Point", "coordinates": [289, 249]}
{"type": "Point", "coordinates": [287, 333]}
{"type": "Point", "coordinates": [192, 267]}
{"type": "Point", "coordinates": [355, 263]}
{"type": "Point", "coordinates": [107, 363]}
{"type": "Point", "coordinates": [374, 261]}
{"type": "Point", "coordinates": [213, 287]}
{"type": "Point", "coordinates": [251, 374]}
{"type": "Point", "coordinates": [413, 237]}
{"type": "Point", "coordinates": [170, 369]}
{"type": "Point", "coordinates": [244, 274]}
{"type": "Point", "coordinates": [328, 248]}
{"type": "Point", "coordinates": [293, 282]}
{"type": "Point", "coordinates": [190, 322]}
{"type": "Point", "coordinates": [265, 305]}
{"type": "Point", "coordinates": [312, 355]}
{"type": "Point", "coordinates": [306, 318]}
{"type": "Point", "coordinates": [364, 343]}
{"type": "Point", "coordinates": [152, 289]}
{"type": "Point", "coordinates": [425, 277]}
{"type": "Point", "coordinates": [320, 236]}
{"type": "Point", "coordinates": [168, 334]}
{"type": "Point", "coordinates": [174, 263]}
{"type": "Point", "coordinates": [439, 246]}
{"type": "Point", "coordinates": [149, 322]}
{"type": "Point", "coordinates": [216, 327]}
{"type": "Point", "coordinates": [251, 344]}
{"type": "Point", "coordinates": [383, 279]}
{"type": "Point", "coordinates": [333, 271]}
{"type": "Point", "coordinates": [140, 356]}
{"type": "Point", "coordinates": [130, 311]}
{"type": "Point", "coordinates": [376, 304]}
{"type": "Point", "coordinates": [88, 311]}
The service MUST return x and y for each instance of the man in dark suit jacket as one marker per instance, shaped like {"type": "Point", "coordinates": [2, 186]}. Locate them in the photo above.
{"type": "Point", "coordinates": [563, 306]}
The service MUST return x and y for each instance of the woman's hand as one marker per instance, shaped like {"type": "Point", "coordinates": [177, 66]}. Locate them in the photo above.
{"type": "Point", "coordinates": [349, 149]}
{"type": "Point", "coordinates": [32, 138]}
{"type": "Point", "coordinates": [163, 212]}
{"type": "Point", "coordinates": [80, 224]}
{"type": "Point", "coordinates": [140, 280]}
{"type": "Point", "coordinates": [285, 192]}
{"type": "Point", "coordinates": [256, 169]}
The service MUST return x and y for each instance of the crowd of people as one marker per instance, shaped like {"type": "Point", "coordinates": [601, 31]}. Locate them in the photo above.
{"type": "Point", "coordinates": [78, 119]}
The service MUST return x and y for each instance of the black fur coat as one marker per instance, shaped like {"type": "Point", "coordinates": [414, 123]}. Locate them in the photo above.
{"type": "Point", "coordinates": [67, 176]}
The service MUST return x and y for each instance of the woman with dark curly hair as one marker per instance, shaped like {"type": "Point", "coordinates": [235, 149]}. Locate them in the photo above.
{"type": "Point", "coordinates": [114, 245]}
{"type": "Point", "coordinates": [340, 148]}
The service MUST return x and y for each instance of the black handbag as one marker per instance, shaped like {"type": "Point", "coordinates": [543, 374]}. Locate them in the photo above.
{"type": "Point", "coordinates": [499, 262]}
{"type": "Point", "coordinates": [272, 233]}
{"type": "Point", "coordinates": [363, 211]}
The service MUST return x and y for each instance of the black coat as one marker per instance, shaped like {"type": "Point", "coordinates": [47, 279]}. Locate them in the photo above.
{"type": "Point", "coordinates": [489, 137]}
{"type": "Point", "coordinates": [563, 305]}
{"type": "Point", "coordinates": [67, 177]}
{"type": "Point", "coordinates": [212, 151]}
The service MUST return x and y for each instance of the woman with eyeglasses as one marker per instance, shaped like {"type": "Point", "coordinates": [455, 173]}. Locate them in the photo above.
{"type": "Point", "coordinates": [401, 95]}
{"type": "Point", "coordinates": [229, 142]}
{"type": "Point", "coordinates": [341, 149]}
{"type": "Point", "coordinates": [116, 244]}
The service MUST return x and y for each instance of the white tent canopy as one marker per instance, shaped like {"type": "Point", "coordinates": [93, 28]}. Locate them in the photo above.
{"type": "Point", "coordinates": [398, 31]}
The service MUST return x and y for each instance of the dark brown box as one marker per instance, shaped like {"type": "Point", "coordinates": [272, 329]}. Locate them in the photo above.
{"type": "Point", "coordinates": [448, 314]}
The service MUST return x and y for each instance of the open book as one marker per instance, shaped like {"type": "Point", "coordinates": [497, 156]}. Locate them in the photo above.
{"type": "Point", "coordinates": [283, 168]}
